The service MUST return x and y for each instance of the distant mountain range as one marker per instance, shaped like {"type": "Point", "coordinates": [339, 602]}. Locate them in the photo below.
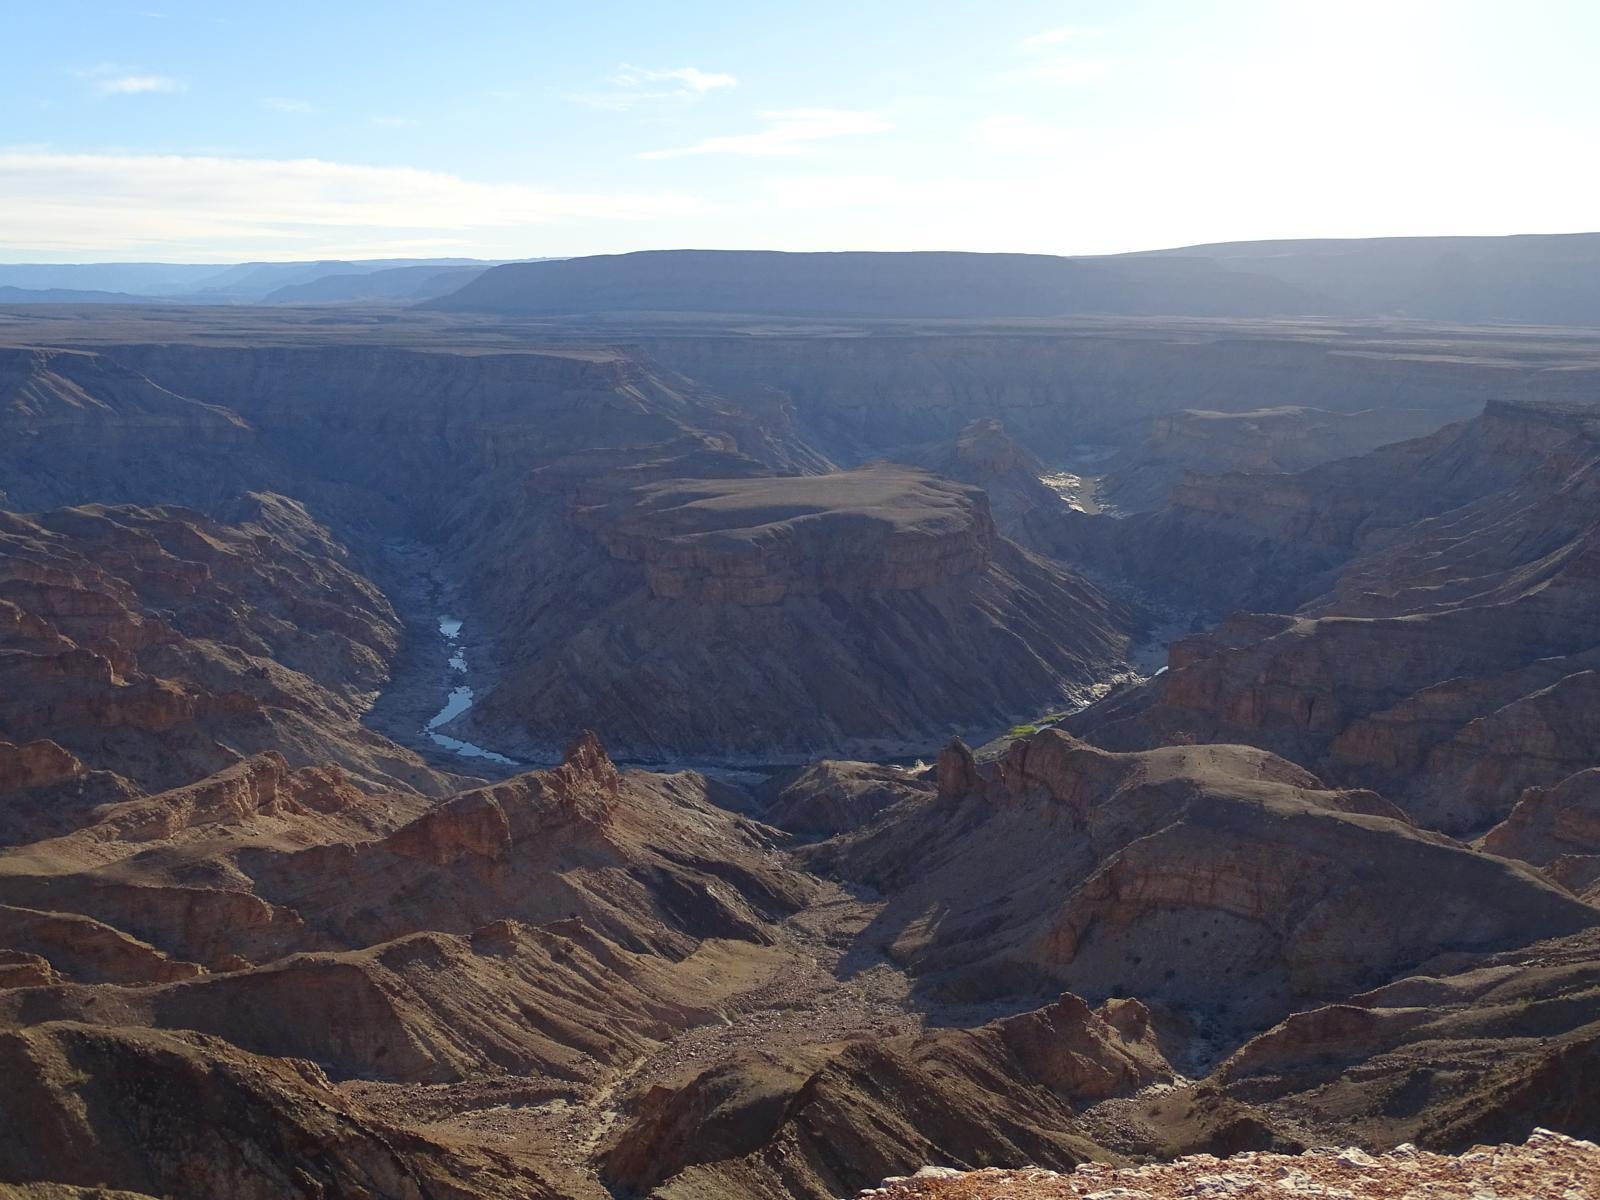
{"type": "Point", "coordinates": [1533, 279]}
{"type": "Point", "coordinates": [393, 280]}
{"type": "Point", "coordinates": [1538, 279]}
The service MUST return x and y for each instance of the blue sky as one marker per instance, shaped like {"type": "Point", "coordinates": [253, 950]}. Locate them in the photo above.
{"type": "Point", "coordinates": [170, 129]}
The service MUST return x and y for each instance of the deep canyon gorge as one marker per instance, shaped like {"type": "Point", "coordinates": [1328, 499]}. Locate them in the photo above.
{"type": "Point", "coordinates": [530, 747]}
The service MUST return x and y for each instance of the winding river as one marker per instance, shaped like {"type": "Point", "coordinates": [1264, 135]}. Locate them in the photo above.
{"type": "Point", "coordinates": [458, 701]}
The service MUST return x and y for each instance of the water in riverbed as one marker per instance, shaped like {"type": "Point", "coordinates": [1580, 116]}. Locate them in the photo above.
{"type": "Point", "coordinates": [459, 700]}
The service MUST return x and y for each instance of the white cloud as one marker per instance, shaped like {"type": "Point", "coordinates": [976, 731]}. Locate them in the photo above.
{"type": "Point", "coordinates": [137, 85]}
{"type": "Point", "coordinates": [691, 79]}
{"type": "Point", "coordinates": [200, 205]}
{"type": "Point", "coordinates": [788, 132]}
{"type": "Point", "coordinates": [280, 104]}
{"type": "Point", "coordinates": [1020, 134]}
{"type": "Point", "coordinates": [648, 85]}
{"type": "Point", "coordinates": [1047, 37]}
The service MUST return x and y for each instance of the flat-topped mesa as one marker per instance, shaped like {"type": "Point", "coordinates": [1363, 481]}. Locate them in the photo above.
{"type": "Point", "coordinates": [757, 541]}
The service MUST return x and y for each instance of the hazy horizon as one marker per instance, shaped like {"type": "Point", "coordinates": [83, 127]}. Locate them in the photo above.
{"type": "Point", "coordinates": [164, 132]}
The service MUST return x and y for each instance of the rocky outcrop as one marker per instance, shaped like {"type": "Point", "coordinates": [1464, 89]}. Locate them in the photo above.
{"type": "Point", "coordinates": [648, 862]}
{"type": "Point", "coordinates": [36, 764]}
{"type": "Point", "coordinates": [754, 542]}
{"type": "Point", "coordinates": [834, 797]}
{"type": "Point", "coordinates": [1557, 828]}
{"type": "Point", "coordinates": [554, 1002]}
{"type": "Point", "coordinates": [1547, 1164]}
{"type": "Point", "coordinates": [956, 771]}
{"type": "Point", "coordinates": [823, 1121]}
{"type": "Point", "coordinates": [83, 950]}
{"type": "Point", "coordinates": [1219, 878]}
{"type": "Point", "coordinates": [191, 1117]}
{"type": "Point", "coordinates": [1450, 658]}
{"type": "Point", "coordinates": [1479, 1047]}
{"type": "Point", "coordinates": [155, 644]}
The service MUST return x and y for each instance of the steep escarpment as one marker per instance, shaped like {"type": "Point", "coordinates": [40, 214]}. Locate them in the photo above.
{"type": "Point", "coordinates": [864, 612]}
{"type": "Point", "coordinates": [1287, 438]}
{"type": "Point", "coordinates": [159, 645]}
{"type": "Point", "coordinates": [1445, 641]}
{"type": "Point", "coordinates": [1061, 392]}
{"type": "Point", "coordinates": [79, 427]}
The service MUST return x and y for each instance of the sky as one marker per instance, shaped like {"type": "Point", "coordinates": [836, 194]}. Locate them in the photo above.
{"type": "Point", "coordinates": [180, 130]}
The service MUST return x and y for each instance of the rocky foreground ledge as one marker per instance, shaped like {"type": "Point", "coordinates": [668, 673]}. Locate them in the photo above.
{"type": "Point", "coordinates": [1548, 1166]}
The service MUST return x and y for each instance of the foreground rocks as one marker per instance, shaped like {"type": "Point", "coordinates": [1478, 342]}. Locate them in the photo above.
{"type": "Point", "coordinates": [1548, 1165]}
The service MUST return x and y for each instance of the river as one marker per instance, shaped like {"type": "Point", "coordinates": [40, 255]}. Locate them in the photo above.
{"type": "Point", "coordinates": [458, 701]}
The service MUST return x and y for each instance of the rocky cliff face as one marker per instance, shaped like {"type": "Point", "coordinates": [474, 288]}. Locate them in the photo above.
{"type": "Point", "coordinates": [856, 397]}
{"type": "Point", "coordinates": [1285, 439]}
{"type": "Point", "coordinates": [754, 542]}
{"type": "Point", "coordinates": [1444, 653]}
{"type": "Point", "coordinates": [866, 612]}
{"type": "Point", "coordinates": [157, 644]}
